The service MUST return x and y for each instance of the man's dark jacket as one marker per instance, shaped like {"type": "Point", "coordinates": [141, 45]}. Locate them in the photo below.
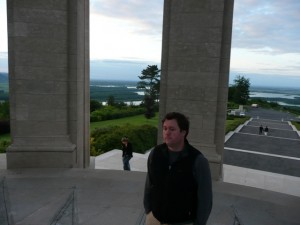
{"type": "Point", "coordinates": [180, 191]}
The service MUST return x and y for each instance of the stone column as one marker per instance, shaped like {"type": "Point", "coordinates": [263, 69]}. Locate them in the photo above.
{"type": "Point", "coordinates": [195, 70]}
{"type": "Point", "coordinates": [48, 49]}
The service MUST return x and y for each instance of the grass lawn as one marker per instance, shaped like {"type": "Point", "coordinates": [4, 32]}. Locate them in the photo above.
{"type": "Point", "coordinates": [296, 124]}
{"type": "Point", "coordinates": [134, 120]}
{"type": "Point", "coordinates": [231, 125]}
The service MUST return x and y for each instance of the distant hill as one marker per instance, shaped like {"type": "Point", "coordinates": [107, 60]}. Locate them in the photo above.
{"type": "Point", "coordinates": [3, 77]}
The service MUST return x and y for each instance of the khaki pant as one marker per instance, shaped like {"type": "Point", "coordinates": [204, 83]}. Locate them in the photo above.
{"type": "Point", "coordinates": [151, 220]}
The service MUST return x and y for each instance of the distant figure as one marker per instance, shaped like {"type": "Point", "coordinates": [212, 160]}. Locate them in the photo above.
{"type": "Point", "coordinates": [261, 129]}
{"type": "Point", "coordinates": [266, 130]}
{"type": "Point", "coordinates": [127, 153]}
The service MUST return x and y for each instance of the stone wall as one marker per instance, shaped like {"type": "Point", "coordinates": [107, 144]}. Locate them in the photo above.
{"type": "Point", "coordinates": [48, 49]}
{"type": "Point", "coordinates": [195, 70]}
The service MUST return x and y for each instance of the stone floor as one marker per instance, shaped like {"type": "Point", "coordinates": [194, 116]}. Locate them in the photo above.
{"type": "Point", "coordinates": [111, 197]}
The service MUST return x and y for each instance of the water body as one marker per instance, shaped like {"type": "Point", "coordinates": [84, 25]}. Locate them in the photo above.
{"type": "Point", "coordinates": [283, 96]}
{"type": "Point", "coordinates": [122, 91]}
{"type": "Point", "coordinates": [127, 92]}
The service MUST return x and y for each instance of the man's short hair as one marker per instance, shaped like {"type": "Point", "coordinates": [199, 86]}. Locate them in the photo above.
{"type": "Point", "coordinates": [182, 121]}
{"type": "Point", "coordinates": [124, 139]}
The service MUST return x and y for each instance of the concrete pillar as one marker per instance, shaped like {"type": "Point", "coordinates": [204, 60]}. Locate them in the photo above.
{"type": "Point", "coordinates": [195, 70]}
{"type": "Point", "coordinates": [48, 50]}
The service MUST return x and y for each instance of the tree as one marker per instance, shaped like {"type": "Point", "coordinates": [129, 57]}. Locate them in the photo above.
{"type": "Point", "coordinates": [150, 81]}
{"type": "Point", "coordinates": [111, 100]}
{"type": "Point", "coordinates": [4, 118]}
{"type": "Point", "coordinates": [239, 92]}
{"type": "Point", "coordinates": [4, 110]}
{"type": "Point", "coordinates": [94, 105]}
{"type": "Point", "coordinates": [150, 109]}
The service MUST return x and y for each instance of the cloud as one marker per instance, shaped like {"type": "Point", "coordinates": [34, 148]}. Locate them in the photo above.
{"type": "Point", "coordinates": [127, 29]}
{"type": "Point", "coordinates": [3, 62]}
{"type": "Point", "coordinates": [265, 39]}
{"type": "Point", "coordinates": [114, 61]}
{"type": "Point", "coordinates": [273, 24]}
{"type": "Point", "coordinates": [118, 69]}
{"type": "Point", "coordinates": [263, 61]}
{"type": "Point", "coordinates": [3, 26]}
{"type": "Point", "coordinates": [3, 55]}
{"type": "Point", "coordinates": [146, 14]}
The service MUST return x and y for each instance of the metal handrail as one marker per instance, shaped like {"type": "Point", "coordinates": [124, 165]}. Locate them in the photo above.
{"type": "Point", "coordinates": [237, 219]}
{"type": "Point", "coordinates": [5, 215]}
{"type": "Point", "coordinates": [142, 218]}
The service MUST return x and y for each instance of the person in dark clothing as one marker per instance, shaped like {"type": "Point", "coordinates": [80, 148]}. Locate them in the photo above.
{"type": "Point", "coordinates": [266, 130]}
{"type": "Point", "coordinates": [261, 129]}
{"type": "Point", "coordinates": [126, 153]}
{"type": "Point", "coordinates": [178, 187]}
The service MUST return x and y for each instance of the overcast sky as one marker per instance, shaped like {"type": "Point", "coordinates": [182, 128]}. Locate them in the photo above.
{"type": "Point", "coordinates": [125, 37]}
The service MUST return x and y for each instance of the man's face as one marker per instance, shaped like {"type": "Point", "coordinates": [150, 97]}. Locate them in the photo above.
{"type": "Point", "coordinates": [172, 135]}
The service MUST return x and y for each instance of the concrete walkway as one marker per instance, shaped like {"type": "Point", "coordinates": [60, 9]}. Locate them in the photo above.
{"type": "Point", "coordinates": [110, 197]}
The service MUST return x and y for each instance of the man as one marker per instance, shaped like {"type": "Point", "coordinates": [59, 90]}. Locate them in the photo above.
{"type": "Point", "coordinates": [261, 129]}
{"type": "Point", "coordinates": [178, 187]}
{"type": "Point", "coordinates": [266, 130]}
{"type": "Point", "coordinates": [126, 153]}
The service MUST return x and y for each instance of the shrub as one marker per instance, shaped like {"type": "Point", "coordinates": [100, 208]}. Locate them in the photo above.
{"type": "Point", "coordinates": [232, 105]}
{"type": "Point", "coordinates": [296, 124]}
{"type": "Point", "coordinates": [230, 117]}
{"type": "Point", "coordinates": [4, 110]}
{"type": "Point", "coordinates": [4, 127]}
{"type": "Point", "coordinates": [113, 112]}
{"type": "Point", "coordinates": [3, 145]}
{"type": "Point", "coordinates": [142, 138]}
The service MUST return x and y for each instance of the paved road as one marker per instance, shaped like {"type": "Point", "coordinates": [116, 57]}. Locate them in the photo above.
{"type": "Point", "coordinates": [270, 114]}
{"type": "Point", "coordinates": [278, 152]}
